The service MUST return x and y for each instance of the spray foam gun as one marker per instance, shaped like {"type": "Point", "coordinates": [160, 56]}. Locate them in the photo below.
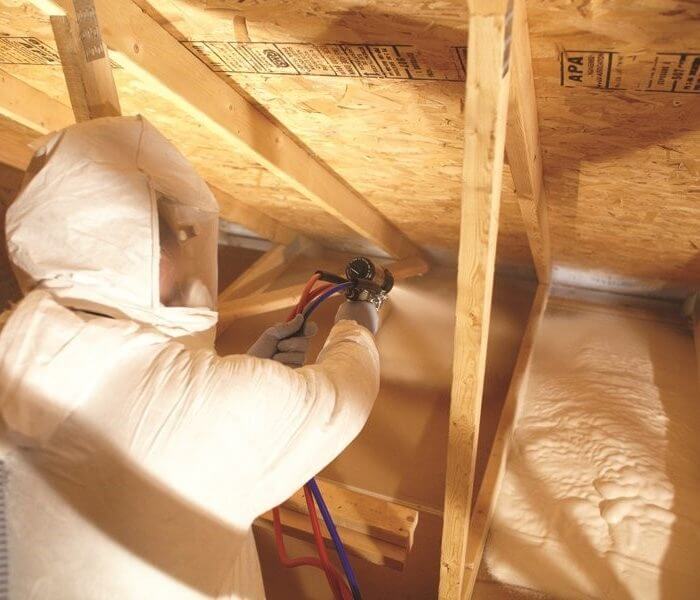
{"type": "Point", "coordinates": [364, 280]}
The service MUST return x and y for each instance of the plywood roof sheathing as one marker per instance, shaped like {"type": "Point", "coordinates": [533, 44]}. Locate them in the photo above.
{"type": "Point", "coordinates": [618, 156]}
{"type": "Point", "coordinates": [144, 47]}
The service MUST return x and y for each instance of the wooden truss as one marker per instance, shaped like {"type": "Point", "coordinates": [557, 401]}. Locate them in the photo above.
{"type": "Point", "coordinates": [499, 64]}
{"type": "Point", "coordinates": [500, 116]}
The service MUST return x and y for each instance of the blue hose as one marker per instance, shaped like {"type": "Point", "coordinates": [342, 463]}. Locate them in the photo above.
{"type": "Point", "coordinates": [313, 486]}
{"type": "Point", "coordinates": [313, 305]}
{"type": "Point", "coordinates": [340, 548]}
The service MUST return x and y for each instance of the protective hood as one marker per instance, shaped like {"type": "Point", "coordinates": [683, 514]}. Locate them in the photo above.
{"type": "Point", "coordinates": [87, 226]}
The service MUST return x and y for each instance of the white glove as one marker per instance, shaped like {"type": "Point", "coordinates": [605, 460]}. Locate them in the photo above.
{"type": "Point", "coordinates": [363, 313]}
{"type": "Point", "coordinates": [285, 342]}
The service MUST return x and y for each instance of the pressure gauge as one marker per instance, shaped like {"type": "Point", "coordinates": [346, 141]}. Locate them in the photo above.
{"type": "Point", "coordinates": [370, 283]}
{"type": "Point", "coordinates": [360, 268]}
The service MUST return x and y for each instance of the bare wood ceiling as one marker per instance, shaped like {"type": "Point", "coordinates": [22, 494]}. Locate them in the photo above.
{"type": "Point", "coordinates": [621, 165]}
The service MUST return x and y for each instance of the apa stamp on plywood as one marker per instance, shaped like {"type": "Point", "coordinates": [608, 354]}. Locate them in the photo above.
{"type": "Point", "coordinates": [26, 51]}
{"type": "Point", "coordinates": [33, 51]}
{"type": "Point", "coordinates": [675, 72]}
{"type": "Point", "coordinates": [371, 61]}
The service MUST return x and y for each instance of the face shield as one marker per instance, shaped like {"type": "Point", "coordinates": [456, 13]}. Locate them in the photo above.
{"type": "Point", "coordinates": [188, 244]}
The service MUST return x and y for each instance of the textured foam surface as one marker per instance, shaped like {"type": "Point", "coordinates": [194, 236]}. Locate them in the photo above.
{"type": "Point", "coordinates": [601, 498]}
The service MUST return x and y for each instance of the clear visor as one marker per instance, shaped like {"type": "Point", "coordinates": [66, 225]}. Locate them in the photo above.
{"type": "Point", "coordinates": [188, 244]}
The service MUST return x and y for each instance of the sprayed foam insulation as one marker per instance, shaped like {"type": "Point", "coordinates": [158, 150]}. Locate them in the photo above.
{"type": "Point", "coordinates": [374, 88]}
{"type": "Point", "coordinates": [601, 496]}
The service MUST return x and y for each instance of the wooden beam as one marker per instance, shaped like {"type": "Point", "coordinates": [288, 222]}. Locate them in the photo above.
{"type": "Point", "coordinates": [260, 274]}
{"type": "Point", "coordinates": [287, 297]}
{"type": "Point", "coordinates": [234, 240]}
{"type": "Point", "coordinates": [15, 150]}
{"type": "Point", "coordinates": [258, 304]}
{"type": "Point", "coordinates": [485, 124]}
{"type": "Point", "coordinates": [495, 468]}
{"type": "Point", "coordinates": [68, 52]}
{"type": "Point", "coordinates": [26, 105]}
{"type": "Point", "coordinates": [375, 517]}
{"type": "Point", "coordinates": [40, 112]}
{"type": "Point", "coordinates": [377, 530]}
{"type": "Point", "coordinates": [523, 146]}
{"type": "Point", "coordinates": [146, 49]}
{"type": "Point", "coordinates": [85, 61]}
{"type": "Point", "coordinates": [236, 211]}
{"type": "Point", "coordinates": [265, 269]}
{"type": "Point", "coordinates": [376, 551]}
{"type": "Point", "coordinates": [409, 267]}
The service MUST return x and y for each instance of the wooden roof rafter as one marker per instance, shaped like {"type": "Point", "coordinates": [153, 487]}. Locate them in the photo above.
{"type": "Point", "coordinates": [523, 146]}
{"type": "Point", "coordinates": [39, 112]}
{"type": "Point", "coordinates": [24, 104]}
{"type": "Point", "coordinates": [266, 268]}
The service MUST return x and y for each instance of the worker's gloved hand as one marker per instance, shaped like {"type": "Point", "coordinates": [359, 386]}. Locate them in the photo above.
{"type": "Point", "coordinates": [285, 342]}
{"type": "Point", "coordinates": [363, 313]}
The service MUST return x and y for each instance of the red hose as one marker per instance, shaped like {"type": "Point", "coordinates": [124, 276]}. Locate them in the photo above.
{"type": "Point", "coordinates": [340, 589]}
{"type": "Point", "coordinates": [303, 299]}
{"type": "Point", "coordinates": [334, 580]}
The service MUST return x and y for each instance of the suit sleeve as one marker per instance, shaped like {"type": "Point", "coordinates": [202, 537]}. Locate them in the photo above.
{"type": "Point", "coordinates": [275, 427]}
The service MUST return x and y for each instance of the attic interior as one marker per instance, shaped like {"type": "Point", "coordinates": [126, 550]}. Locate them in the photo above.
{"type": "Point", "coordinates": [528, 170]}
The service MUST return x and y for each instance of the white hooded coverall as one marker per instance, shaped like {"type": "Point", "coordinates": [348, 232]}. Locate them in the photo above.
{"type": "Point", "coordinates": [135, 458]}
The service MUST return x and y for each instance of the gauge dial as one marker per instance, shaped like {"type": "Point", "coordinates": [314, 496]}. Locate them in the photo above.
{"type": "Point", "coordinates": [360, 268]}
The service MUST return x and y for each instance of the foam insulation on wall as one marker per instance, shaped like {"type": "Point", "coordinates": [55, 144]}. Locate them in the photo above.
{"type": "Point", "coordinates": [601, 498]}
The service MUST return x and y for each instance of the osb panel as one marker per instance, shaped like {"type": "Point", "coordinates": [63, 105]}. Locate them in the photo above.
{"type": "Point", "coordinates": [408, 166]}
{"type": "Point", "coordinates": [218, 162]}
{"type": "Point", "coordinates": [399, 142]}
{"type": "Point", "coordinates": [621, 166]}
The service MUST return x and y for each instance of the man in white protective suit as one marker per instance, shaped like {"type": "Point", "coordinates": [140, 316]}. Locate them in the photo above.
{"type": "Point", "coordinates": [134, 458]}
